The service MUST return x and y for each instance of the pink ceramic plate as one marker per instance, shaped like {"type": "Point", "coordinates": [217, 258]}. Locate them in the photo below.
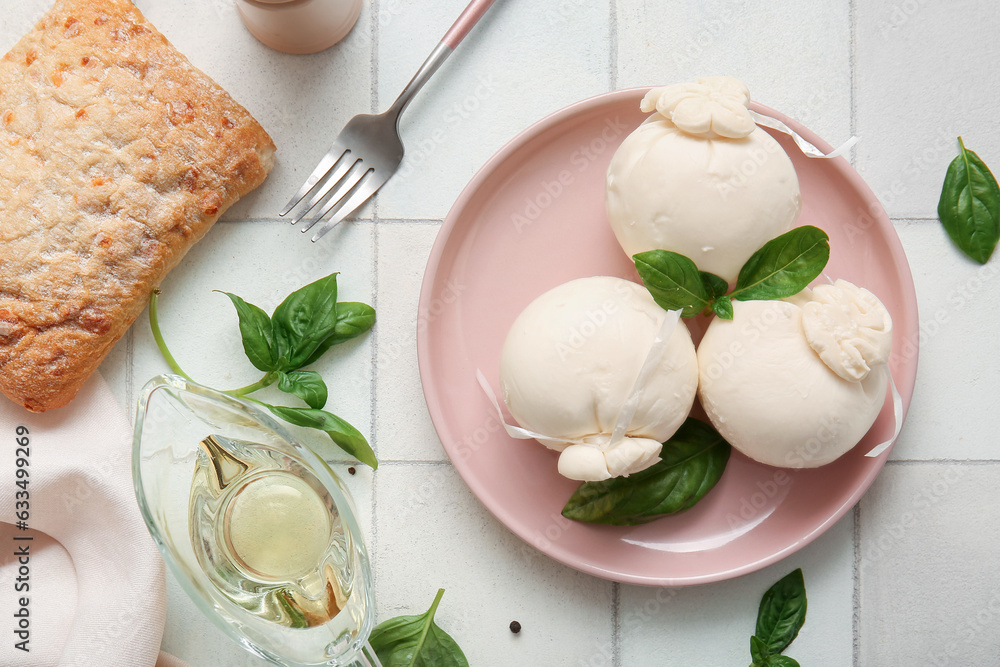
{"type": "Point", "coordinates": [533, 218]}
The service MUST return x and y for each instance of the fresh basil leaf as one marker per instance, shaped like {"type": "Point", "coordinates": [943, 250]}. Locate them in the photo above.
{"type": "Point", "coordinates": [307, 385]}
{"type": "Point", "coordinates": [353, 319]}
{"type": "Point", "coordinates": [723, 307]}
{"type": "Point", "coordinates": [715, 286]}
{"type": "Point", "coordinates": [784, 266]}
{"type": "Point", "coordinates": [416, 641]}
{"type": "Point", "coordinates": [343, 434]}
{"type": "Point", "coordinates": [759, 652]}
{"type": "Point", "coordinates": [255, 328]}
{"type": "Point", "coordinates": [969, 207]}
{"type": "Point", "coordinates": [304, 320]}
{"type": "Point", "coordinates": [673, 280]}
{"type": "Point", "coordinates": [691, 463]}
{"type": "Point", "coordinates": [780, 661]}
{"type": "Point", "coordinates": [782, 612]}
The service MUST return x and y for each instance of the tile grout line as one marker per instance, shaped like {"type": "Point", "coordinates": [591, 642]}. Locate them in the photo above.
{"type": "Point", "coordinates": [373, 548]}
{"type": "Point", "coordinates": [616, 624]}
{"type": "Point", "coordinates": [414, 462]}
{"type": "Point", "coordinates": [856, 532]}
{"type": "Point", "coordinates": [974, 462]}
{"type": "Point", "coordinates": [912, 220]}
{"type": "Point", "coordinates": [432, 222]}
{"type": "Point", "coordinates": [892, 462]}
{"type": "Point", "coordinates": [130, 374]}
{"type": "Point", "coordinates": [374, 57]}
{"type": "Point", "coordinates": [613, 45]}
{"type": "Point", "coordinates": [616, 627]}
{"type": "Point", "coordinates": [905, 219]}
{"type": "Point", "coordinates": [376, 10]}
{"type": "Point", "coordinates": [356, 221]}
{"type": "Point", "coordinates": [856, 596]}
{"type": "Point", "coordinates": [373, 382]}
{"type": "Point", "coordinates": [852, 65]}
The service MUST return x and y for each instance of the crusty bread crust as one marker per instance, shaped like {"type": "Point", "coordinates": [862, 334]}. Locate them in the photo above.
{"type": "Point", "coordinates": [116, 156]}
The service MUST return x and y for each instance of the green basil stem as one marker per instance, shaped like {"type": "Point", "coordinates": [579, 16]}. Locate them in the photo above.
{"type": "Point", "coordinates": [266, 381]}
{"type": "Point", "coordinates": [430, 616]}
{"type": "Point", "coordinates": [248, 398]}
{"type": "Point", "coordinates": [154, 324]}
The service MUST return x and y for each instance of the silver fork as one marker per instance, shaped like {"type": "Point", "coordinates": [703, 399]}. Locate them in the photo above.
{"type": "Point", "coordinates": [368, 150]}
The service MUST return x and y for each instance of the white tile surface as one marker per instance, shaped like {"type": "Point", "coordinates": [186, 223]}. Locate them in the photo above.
{"type": "Point", "coordinates": [930, 591]}
{"type": "Point", "coordinates": [665, 626]}
{"type": "Point", "coordinates": [958, 300]}
{"type": "Point", "coordinates": [922, 80]}
{"type": "Point", "coordinates": [793, 55]}
{"type": "Point", "coordinates": [907, 76]}
{"type": "Point", "coordinates": [262, 262]}
{"type": "Point", "coordinates": [192, 638]}
{"type": "Point", "coordinates": [403, 428]}
{"type": "Point", "coordinates": [19, 18]}
{"type": "Point", "coordinates": [433, 533]}
{"type": "Point", "coordinates": [302, 101]}
{"type": "Point", "coordinates": [488, 91]}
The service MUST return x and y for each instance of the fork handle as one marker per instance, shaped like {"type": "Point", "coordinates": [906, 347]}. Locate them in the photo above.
{"type": "Point", "coordinates": [468, 18]}
{"type": "Point", "coordinates": [465, 22]}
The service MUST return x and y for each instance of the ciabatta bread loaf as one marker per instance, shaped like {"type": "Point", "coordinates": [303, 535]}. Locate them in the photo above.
{"type": "Point", "coordinates": [116, 156]}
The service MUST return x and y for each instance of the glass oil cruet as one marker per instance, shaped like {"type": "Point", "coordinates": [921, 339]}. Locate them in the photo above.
{"type": "Point", "coordinates": [256, 527]}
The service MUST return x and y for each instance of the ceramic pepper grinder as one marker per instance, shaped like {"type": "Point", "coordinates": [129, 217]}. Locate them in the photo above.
{"type": "Point", "coordinates": [299, 26]}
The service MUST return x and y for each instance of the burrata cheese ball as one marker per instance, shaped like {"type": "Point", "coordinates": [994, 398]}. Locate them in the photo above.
{"type": "Point", "coordinates": [699, 178]}
{"type": "Point", "coordinates": [570, 362]}
{"type": "Point", "coordinates": [797, 383]}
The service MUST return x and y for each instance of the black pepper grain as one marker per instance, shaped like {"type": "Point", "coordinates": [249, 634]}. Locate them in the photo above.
{"type": "Point", "coordinates": [351, 470]}
{"type": "Point", "coordinates": [515, 627]}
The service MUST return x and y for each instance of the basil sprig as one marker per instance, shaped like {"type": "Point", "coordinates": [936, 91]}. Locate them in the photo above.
{"type": "Point", "coordinates": [674, 281]}
{"type": "Point", "coordinates": [307, 385]}
{"type": "Point", "coordinates": [255, 329]}
{"type": "Point", "coordinates": [342, 433]}
{"type": "Point", "coordinates": [302, 328]}
{"type": "Point", "coordinates": [781, 614]}
{"type": "Point", "coordinates": [691, 463]}
{"type": "Point", "coordinates": [714, 285]}
{"type": "Point", "coordinates": [303, 321]}
{"type": "Point", "coordinates": [416, 641]}
{"type": "Point", "coordinates": [353, 320]}
{"type": "Point", "coordinates": [969, 207]}
{"type": "Point", "coordinates": [783, 266]}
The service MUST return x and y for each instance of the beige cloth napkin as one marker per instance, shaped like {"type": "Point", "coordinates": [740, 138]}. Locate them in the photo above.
{"type": "Point", "coordinates": [95, 580]}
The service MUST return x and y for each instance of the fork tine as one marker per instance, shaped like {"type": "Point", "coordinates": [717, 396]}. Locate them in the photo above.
{"type": "Point", "coordinates": [346, 184]}
{"type": "Point", "coordinates": [316, 177]}
{"type": "Point", "coordinates": [331, 180]}
{"type": "Point", "coordinates": [361, 193]}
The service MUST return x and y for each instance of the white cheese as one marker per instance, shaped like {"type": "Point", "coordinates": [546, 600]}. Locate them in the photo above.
{"type": "Point", "coordinates": [698, 177]}
{"type": "Point", "coordinates": [774, 397]}
{"type": "Point", "coordinates": [570, 361]}
{"type": "Point", "coordinates": [849, 329]}
{"type": "Point", "coordinates": [714, 107]}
